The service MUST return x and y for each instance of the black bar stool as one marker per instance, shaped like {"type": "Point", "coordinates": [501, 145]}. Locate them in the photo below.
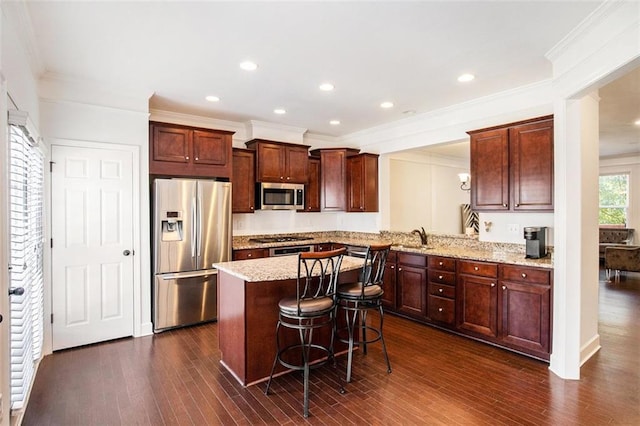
{"type": "Point", "coordinates": [313, 306]}
{"type": "Point", "coordinates": [356, 299]}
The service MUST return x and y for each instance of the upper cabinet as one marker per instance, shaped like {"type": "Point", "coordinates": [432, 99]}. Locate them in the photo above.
{"type": "Point", "coordinates": [244, 181]}
{"type": "Point", "coordinates": [362, 183]}
{"type": "Point", "coordinates": [312, 190]}
{"type": "Point", "coordinates": [333, 177]}
{"type": "Point", "coordinates": [176, 150]}
{"type": "Point", "coordinates": [280, 162]}
{"type": "Point", "coordinates": [512, 166]}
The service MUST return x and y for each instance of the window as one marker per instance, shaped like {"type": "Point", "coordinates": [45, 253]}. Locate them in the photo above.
{"type": "Point", "coordinates": [26, 179]}
{"type": "Point", "coordinates": [614, 199]}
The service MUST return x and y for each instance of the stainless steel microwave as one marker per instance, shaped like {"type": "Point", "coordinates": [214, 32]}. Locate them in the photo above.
{"type": "Point", "coordinates": [279, 196]}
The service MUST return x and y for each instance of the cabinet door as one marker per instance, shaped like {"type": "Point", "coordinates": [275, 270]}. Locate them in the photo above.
{"type": "Point", "coordinates": [389, 278]}
{"type": "Point", "coordinates": [211, 148]}
{"type": "Point", "coordinates": [362, 183]}
{"type": "Point", "coordinates": [476, 299]}
{"type": "Point", "coordinates": [271, 162]}
{"type": "Point", "coordinates": [333, 180]}
{"type": "Point", "coordinates": [297, 160]}
{"type": "Point", "coordinates": [170, 144]}
{"type": "Point", "coordinates": [524, 317]}
{"type": "Point", "coordinates": [490, 170]}
{"type": "Point", "coordinates": [531, 159]}
{"type": "Point", "coordinates": [312, 190]}
{"type": "Point", "coordinates": [412, 291]}
{"type": "Point", "coordinates": [243, 180]}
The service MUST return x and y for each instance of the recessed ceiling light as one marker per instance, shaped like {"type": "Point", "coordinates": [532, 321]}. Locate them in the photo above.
{"type": "Point", "coordinates": [279, 111]}
{"type": "Point", "coordinates": [248, 66]}
{"type": "Point", "coordinates": [326, 87]}
{"type": "Point", "coordinates": [334, 122]}
{"type": "Point", "coordinates": [465, 78]}
{"type": "Point", "coordinates": [386, 105]}
{"type": "Point", "coordinates": [637, 122]}
{"type": "Point", "coordinates": [212, 98]}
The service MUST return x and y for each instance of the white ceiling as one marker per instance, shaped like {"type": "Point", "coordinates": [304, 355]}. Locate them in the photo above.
{"type": "Point", "coordinates": [407, 52]}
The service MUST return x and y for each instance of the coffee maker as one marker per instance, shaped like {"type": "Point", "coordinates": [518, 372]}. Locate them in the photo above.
{"type": "Point", "coordinates": [536, 241]}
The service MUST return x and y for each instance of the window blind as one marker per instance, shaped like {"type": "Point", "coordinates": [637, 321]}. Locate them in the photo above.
{"type": "Point", "coordinates": [26, 176]}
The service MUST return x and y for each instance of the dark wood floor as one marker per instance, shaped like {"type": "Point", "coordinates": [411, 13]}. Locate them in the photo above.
{"type": "Point", "coordinates": [438, 378]}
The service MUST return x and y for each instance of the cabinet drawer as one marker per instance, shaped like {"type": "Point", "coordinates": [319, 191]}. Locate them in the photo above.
{"type": "Point", "coordinates": [442, 290]}
{"type": "Point", "coordinates": [442, 310]}
{"type": "Point", "coordinates": [250, 254]}
{"type": "Point", "coordinates": [442, 263]}
{"type": "Point", "coordinates": [412, 259]}
{"type": "Point", "coordinates": [478, 268]}
{"type": "Point", "coordinates": [523, 274]}
{"type": "Point", "coordinates": [440, 277]}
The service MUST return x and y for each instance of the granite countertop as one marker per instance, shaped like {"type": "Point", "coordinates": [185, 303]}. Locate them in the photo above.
{"type": "Point", "coordinates": [275, 268]}
{"type": "Point", "coordinates": [458, 247]}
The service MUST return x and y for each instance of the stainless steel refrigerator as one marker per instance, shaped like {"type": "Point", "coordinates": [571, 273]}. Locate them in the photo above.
{"type": "Point", "coordinates": [192, 231]}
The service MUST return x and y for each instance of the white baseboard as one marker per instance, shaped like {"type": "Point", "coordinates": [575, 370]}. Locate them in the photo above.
{"type": "Point", "coordinates": [589, 349]}
{"type": "Point", "coordinates": [146, 329]}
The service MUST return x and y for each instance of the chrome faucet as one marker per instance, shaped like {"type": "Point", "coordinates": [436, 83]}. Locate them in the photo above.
{"type": "Point", "coordinates": [422, 234]}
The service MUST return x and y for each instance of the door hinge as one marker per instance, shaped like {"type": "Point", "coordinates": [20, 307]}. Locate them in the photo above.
{"type": "Point", "coordinates": [51, 318]}
{"type": "Point", "coordinates": [51, 242]}
{"type": "Point", "coordinates": [51, 163]}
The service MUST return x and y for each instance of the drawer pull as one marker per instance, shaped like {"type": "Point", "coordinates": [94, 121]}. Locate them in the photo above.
{"type": "Point", "coordinates": [392, 267]}
{"type": "Point", "coordinates": [493, 284]}
{"type": "Point", "coordinates": [399, 269]}
{"type": "Point", "coordinates": [440, 290]}
{"type": "Point", "coordinates": [439, 309]}
{"type": "Point", "coordinates": [504, 287]}
{"type": "Point", "coordinates": [439, 277]}
{"type": "Point", "coordinates": [249, 255]}
{"type": "Point", "coordinates": [524, 275]}
{"type": "Point", "coordinates": [475, 268]}
{"type": "Point", "coordinates": [440, 263]}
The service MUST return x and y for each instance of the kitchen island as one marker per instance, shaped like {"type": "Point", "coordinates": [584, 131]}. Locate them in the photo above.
{"type": "Point", "coordinates": [248, 296]}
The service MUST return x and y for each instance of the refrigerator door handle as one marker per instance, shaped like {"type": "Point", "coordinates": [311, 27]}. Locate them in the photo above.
{"type": "Point", "coordinates": [199, 229]}
{"type": "Point", "coordinates": [193, 274]}
{"type": "Point", "coordinates": [193, 227]}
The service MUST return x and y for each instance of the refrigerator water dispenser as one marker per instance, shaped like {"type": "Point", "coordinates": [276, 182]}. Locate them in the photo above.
{"type": "Point", "coordinates": [171, 226]}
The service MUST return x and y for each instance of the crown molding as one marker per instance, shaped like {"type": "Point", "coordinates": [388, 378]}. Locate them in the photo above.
{"type": "Point", "coordinates": [197, 121]}
{"type": "Point", "coordinates": [18, 17]}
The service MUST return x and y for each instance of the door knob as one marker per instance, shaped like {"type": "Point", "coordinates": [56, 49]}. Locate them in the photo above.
{"type": "Point", "coordinates": [16, 291]}
{"type": "Point", "coordinates": [126, 252]}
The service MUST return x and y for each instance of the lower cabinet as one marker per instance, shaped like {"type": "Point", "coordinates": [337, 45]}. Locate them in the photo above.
{"type": "Point", "coordinates": [411, 285]}
{"type": "Point", "coordinates": [323, 247]}
{"type": "Point", "coordinates": [476, 298]}
{"type": "Point", "coordinates": [441, 304]}
{"type": "Point", "coordinates": [389, 278]}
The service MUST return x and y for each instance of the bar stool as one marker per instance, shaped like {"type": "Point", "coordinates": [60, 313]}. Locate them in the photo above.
{"type": "Point", "coordinates": [313, 307]}
{"type": "Point", "coordinates": [356, 299]}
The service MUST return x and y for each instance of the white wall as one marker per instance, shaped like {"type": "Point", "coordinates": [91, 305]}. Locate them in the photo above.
{"type": "Point", "coordinates": [509, 227]}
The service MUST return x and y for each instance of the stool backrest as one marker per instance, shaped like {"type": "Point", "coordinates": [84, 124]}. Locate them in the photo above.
{"type": "Point", "coordinates": [318, 273]}
{"type": "Point", "coordinates": [374, 263]}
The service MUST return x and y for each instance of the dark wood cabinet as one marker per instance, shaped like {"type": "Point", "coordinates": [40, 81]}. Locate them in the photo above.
{"type": "Point", "coordinates": [362, 183]}
{"type": "Point", "coordinates": [411, 285]}
{"type": "Point", "coordinates": [323, 247]}
{"type": "Point", "coordinates": [280, 162]}
{"type": "Point", "coordinates": [243, 180]}
{"type": "Point", "coordinates": [176, 150]}
{"type": "Point", "coordinates": [512, 166]}
{"type": "Point", "coordinates": [441, 290]}
{"type": "Point", "coordinates": [312, 190]}
{"type": "Point", "coordinates": [333, 177]}
{"type": "Point", "coordinates": [524, 315]}
{"type": "Point", "coordinates": [244, 254]}
{"type": "Point", "coordinates": [476, 300]}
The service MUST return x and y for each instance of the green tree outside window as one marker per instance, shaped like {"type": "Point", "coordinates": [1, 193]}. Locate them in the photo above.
{"type": "Point", "coordinates": [614, 199]}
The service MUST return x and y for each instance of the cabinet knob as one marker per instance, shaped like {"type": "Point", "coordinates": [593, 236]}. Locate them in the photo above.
{"type": "Point", "coordinates": [493, 284]}
{"type": "Point", "coordinates": [504, 205]}
{"type": "Point", "coordinates": [439, 277]}
{"type": "Point", "coordinates": [281, 177]}
{"type": "Point", "coordinates": [517, 205]}
{"type": "Point", "coordinates": [504, 287]}
{"type": "Point", "coordinates": [399, 269]}
{"type": "Point", "coordinates": [288, 178]}
{"type": "Point", "coordinates": [439, 309]}
{"type": "Point", "coordinates": [251, 208]}
{"type": "Point", "coordinates": [361, 208]}
{"type": "Point", "coordinates": [524, 275]}
{"type": "Point", "coordinates": [249, 255]}
{"type": "Point", "coordinates": [392, 267]}
{"type": "Point", "coordinates": [197, 158]}
{"type": "Point", "coordinates": [440, 290]}
{"type": "Point", "coordinates": [440, 263]}
{"type": "Point", "coordinates": [186, 158]}
{"type": "Point", "coordinates": [475, 268]}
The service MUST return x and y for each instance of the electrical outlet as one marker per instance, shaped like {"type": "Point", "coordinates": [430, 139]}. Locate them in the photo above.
{"type": "Point", "coordinates": [513, 228]}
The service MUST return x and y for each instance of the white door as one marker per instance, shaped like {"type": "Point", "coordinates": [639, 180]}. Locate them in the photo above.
{"type": "Point", "coordinates": [92, 254]}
